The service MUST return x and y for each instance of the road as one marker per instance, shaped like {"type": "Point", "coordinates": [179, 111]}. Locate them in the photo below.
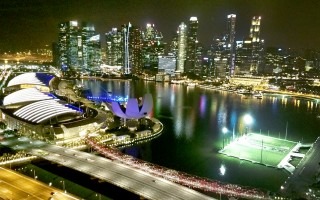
{"type": "Point", "coordinates": [134, 180]}
{"type": "Point", "coordinates": [16, 186]}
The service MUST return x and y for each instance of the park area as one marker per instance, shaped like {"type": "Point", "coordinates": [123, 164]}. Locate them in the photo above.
{"type": "Point", "coordinates": [259, 148]}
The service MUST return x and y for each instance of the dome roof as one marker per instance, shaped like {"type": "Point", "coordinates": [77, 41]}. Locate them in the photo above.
{"type": "Point", "coordinates": [25, 96]}
{"type": "Point", "coordinates": [31, 78]}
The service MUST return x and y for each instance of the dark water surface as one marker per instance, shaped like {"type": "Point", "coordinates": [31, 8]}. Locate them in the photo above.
{"type": "Point", "coordinates": [193, 119]}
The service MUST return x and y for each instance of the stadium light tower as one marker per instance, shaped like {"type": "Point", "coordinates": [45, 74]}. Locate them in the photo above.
{"type": "Point", "coordinates": [248, 120]}
{"type": "Point", "coordinates": [224, 131]}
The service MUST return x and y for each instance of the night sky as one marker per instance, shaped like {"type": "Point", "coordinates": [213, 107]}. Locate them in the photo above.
{"type": "Point", "coordinates": [30, 24]}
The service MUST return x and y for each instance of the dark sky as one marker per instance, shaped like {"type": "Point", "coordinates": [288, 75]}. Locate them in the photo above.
{"type": "Point", "coordinates": [29, 24]}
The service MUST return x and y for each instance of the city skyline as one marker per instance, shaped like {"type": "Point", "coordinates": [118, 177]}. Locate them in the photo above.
{"type": "Point", "coordinates": [30, 25]}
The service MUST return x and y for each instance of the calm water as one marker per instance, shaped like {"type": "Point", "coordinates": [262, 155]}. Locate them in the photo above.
{"type": "Point", "coordinates": [193, 119]}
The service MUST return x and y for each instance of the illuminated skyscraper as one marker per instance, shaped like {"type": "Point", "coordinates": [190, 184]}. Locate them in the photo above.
{"type": "Point", "coordinates": [257, 44]}
{"type": "Point", "coordinates": [191, 45]}
{"type": "Point", "coordinates": [153, 47]}
{"type": "Point", "coordinates": [76, 47]}
{"type": "Point", "coordinates": [255, 29]}
{"type": "Point", "coordinates": [182, 41]}
{"type": "Point", "coordinates": [114, 48]}
{"type": "Point", "coordinates": [135, 50]}
{"type": "Point", "coordinates": [68, 45]}
{"type": "Point", "coordinates": [93, 53]}
{"type": "Point", "coordinates": [89, 47]}
{"type": "Point", "coordinates": [230, 43]}
{"type": "Point", "coordinates": [124, 48]}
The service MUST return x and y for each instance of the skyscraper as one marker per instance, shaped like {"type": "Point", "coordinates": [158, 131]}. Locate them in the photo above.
{"type": "Point", "coordinates": [135, 50]}
{"type": "Point", "coordinates": [257, 44]}
{"type": "Point", "coordinates": [77, 48]}
{"type": "Point", "coordinates": [114, 48]}
{"type": "Point", "coordinates": [191, 44]}
{"type": "Point", "coordinates": [255, 29]}
{"type": "Point", "coordinates": [182, 41]}
{"type": "Point", "coordinates": [87, 31]}
{"type": "Point", "coordinates": [153, 47]}
{"type": "Point", "coordinates": [68, 45]}
{"type": "Point", "coordinates": [93, 53]}
{"type": "Point", "coordinates": [230, 43]}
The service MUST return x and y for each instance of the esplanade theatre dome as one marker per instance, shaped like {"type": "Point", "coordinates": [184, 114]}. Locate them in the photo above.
{"type": "Point", "coordinates": [31, 108]}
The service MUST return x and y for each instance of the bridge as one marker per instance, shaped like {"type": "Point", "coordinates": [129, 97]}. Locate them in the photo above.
{"type": "Point", "coordinates": [134, 180]}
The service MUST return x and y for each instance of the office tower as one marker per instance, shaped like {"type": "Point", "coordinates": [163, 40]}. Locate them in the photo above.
{"type": "Point", "coordinates": [89, 45]}
{"type": "Point", "coordinates": [124, 48]}
{"type": "Point", "coordinates": [93, 53]}
{"type": "Point", "coordinates": [243, 60]}
{"type": "Point", "coordinates": [255, 29]}
{"type": "Point", "coordinates": [135, 50]}
{"type": "Point", "coordinates": [132, 49]}
{"type": "Point", "coordinates": [167, 65]}
{"type": "Point", "coordinates": [78, 50]}
{"type": "Point", "coordinates": [182, 41]}
{"type": "Point", "coordinates": [191, 45]}
{"type": "Point", "coordinates": [257, 44]}
{"type": "Point", "coordinates": [126, 34]}
{"type": "Point", "coordinates": [230, 43]}
{"type": "Point", "coordinates": [153, 47]}
{"type": "Point", "coordinates": [173, 46]}
{"type": "Point", "coordinates": [114, 48]}
{"type": "Point", "coordinates": [198, 67]}
{"type": "Point", "coordinates": [68, 45]}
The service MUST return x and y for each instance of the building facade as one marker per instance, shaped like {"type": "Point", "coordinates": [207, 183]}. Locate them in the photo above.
{"type": "Point", "coordinates": [78, 49]}
{"type": "Point", "coordinates": [191, 48]}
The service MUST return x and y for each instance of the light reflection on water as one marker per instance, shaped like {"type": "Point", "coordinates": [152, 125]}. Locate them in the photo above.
{"type": "Point", "coordinates": [194, 118]}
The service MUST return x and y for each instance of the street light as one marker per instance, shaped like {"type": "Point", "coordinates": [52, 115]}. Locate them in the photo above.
{"type": "Point", "coordinates": [34, 173]}
{"type": "Point", "coordinates": [63, 186]}
{"type": "Point", "coordinates": [224, 131]}
{"type": "Point", "coordinates": [248, 120]}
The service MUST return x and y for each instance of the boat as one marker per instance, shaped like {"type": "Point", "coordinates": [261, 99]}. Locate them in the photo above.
{"type": "Point", "coordinates": [191, 84]}
{"type": "Point", "coordinates": [258, 95]}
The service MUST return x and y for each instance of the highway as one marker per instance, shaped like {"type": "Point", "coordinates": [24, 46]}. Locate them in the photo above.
{"type": "Point", "coordinates": [16, 186]}
{"type": "Point", "coordinates": [134, 180]}
{"type": "Point", "coordinates": [114, 172]}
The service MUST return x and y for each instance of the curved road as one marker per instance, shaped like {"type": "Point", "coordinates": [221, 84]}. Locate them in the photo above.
{"type": "Point", "coordinates": [133, 180]}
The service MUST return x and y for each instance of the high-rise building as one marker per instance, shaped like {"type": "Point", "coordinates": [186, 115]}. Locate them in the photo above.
{"type": "Point", "coordinates": [124, 48]}
{"type": "Point", "coordinates": [167, 65]}
{"type": "Point", "coordinates": [191, 45]}
{"type": "Point", "coordinates": [182, 42]}
{"type": "Point", "coordinates": [68, 45]}
{"type": "Point", "coordinates": [135, 50]}
{"type": "Point", "coordinates": [257, 44]}
{"type": "Point", "coordinates": [87, 31]}
{"type": "Point", "coordinates": [114, 48]}
{"type": "Point", "coordinates": [78, 47]}
{"type": "Point", "coordinates": [93, 53]}
{"type": "Point", "coordinates": [153, 47]}
{"type": "Point", "coordinates": [230, 43]}
{"type": "Point", "coordinates": [255, 29]}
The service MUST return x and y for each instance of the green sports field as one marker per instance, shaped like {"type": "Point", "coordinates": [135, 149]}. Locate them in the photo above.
{"type": "Point", "coordinates": [259, 148]}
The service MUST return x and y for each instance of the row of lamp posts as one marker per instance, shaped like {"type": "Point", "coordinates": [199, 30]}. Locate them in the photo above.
{"type": "Point", "coordinates": [248, 120]}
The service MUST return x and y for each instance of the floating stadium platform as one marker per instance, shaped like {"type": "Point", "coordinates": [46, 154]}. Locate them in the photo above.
{"type": "Point", "coordinates": [265, 150]}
